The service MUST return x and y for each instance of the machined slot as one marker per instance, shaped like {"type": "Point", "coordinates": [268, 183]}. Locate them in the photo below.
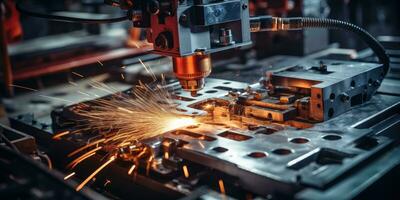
{"type": "Point", "coordinates": [320, 156]}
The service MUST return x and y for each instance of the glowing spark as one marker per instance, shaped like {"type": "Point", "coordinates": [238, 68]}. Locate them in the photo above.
{"type": "Point", "coordinates": [125, 110]}
{"type": "Point", "coordinates": [69, 175]}
{"type": "Point", "coordinates": [59, 135]}
{"type": "Point", "coordinates": [135, 44]}
{"type": "Point", "coordinates": [201, 145]}
{"type": "Point", "coordinates": [106, 183]}
{"type": "Point", "coordinates": [131, 169]}
{"type": "Point", "coordinates": [81, 160]}
{"type": "Point", "coordinates": [185, 171]}
{"type": "Point", "coordinates": [122, 121]}
{"type": "Point", "coordinates": [85, 147]}
{"type": "Point", "coordinates": [83, 93]}
{"type": "Point", "coordinates": [73, 83]}
{"type": "Point", "coordinates": [221, 186]}
{"type": "Point", "coordinates": [23, 87]}
{"type": "Point", "coordinates": [75, 162]}
{"type": "Point", "coordinates": [149, 113]}
{"type": "Point", "coordinates": [77, 74]}
{"type": "Point", "coordinates": [148, 70]}
{"type": "Point", "coordinates": [80, 186]}
{"type": "Point", "coordinates": [101, 64]}
{"type": "Point", "coordinates": [149, 162]}
{"type": "Point", "coordinates": [175, 123]}
{"type": "Point", "coordinates": [166, 155]}
{"type": "Point", "coordinates": [124, 144]}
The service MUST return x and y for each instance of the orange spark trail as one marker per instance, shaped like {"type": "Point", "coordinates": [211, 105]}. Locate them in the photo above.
{"type": "Point", "coordinates": [185, 171]}
{"type": "Point", "coordinates": [85, 147]}
{"type": "Point", "coordinates": [77, 74]}
{"type": "Point", "coordinates": [59, 135]}
{"type": "Point", "coordinates": [74, 163]}
{"type": "Point", "coordinates": [69, 175]}
{"type": "Point", "coordinates": [131, 169]}
{"type": "Point", "coordinates": [80, 186]}
{"type": "Point", "coordinates": [221, 186]}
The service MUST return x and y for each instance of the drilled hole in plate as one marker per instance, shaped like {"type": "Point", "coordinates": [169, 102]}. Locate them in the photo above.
{"type": "Point", "coordinates": [224, 88]}
{"type": "Point", "coordinates": [282, 151]}
{"type": "Point", "coordinates": [299, 140]}
{"type": "Point", "coordinates": [257, 155]}
{"type": "Point", "coordinates": [220, 149]}
{"type": "Point", "coordinates": [195, 113]}
{"type": "Point", "coordinates": [211, 91]}
{"type": "Point", "coordinates": [181, 110]}
{"type": "Point", "coordinates": [234, 136]}
{"type": "Point", "coordinates": [266, 131]}
{"type": "Point", "coordinates": [332, 137]}
{"type": "Point", "coordinates": [197, 95]}
{"type": "Point", "coordinates": [178, 93]}
{"type": "Point", "coordinates": [226, 83]}
{"type": "Point", "coordinates": [39, 101]}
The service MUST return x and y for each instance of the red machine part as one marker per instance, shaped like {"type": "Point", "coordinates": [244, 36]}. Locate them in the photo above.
{"type": "Point", "coordinates": [12, 26]}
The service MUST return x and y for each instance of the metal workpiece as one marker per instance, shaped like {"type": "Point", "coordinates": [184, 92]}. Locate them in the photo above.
{"type": "Point", "coordinates": [246, 148]}
{"type": "Point", "coordinates": [266, 151]}
{"type": "Point", "coordinates": [335, 90]}
{"type": "Point", "coordinates": [303, 91]}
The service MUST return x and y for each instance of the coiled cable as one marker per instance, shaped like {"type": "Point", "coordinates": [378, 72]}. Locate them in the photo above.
{"type": "Point", "coordinates": [268, 23]}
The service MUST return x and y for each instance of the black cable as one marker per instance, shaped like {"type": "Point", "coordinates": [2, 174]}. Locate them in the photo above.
{"type": "Point", "coordinates": [70, 19]}
{"type": "Point", "coordinates": [374, 44]}
{"type": "Point", "coordinates": [268, 23]}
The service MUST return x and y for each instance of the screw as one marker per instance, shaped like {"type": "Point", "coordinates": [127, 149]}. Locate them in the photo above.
{"type": "Point", "coordinates": [377, 83]}
{"type": "Point", "coordinates": [345, 97]}
{"type": "Point", "coordinates": [183, 19]}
